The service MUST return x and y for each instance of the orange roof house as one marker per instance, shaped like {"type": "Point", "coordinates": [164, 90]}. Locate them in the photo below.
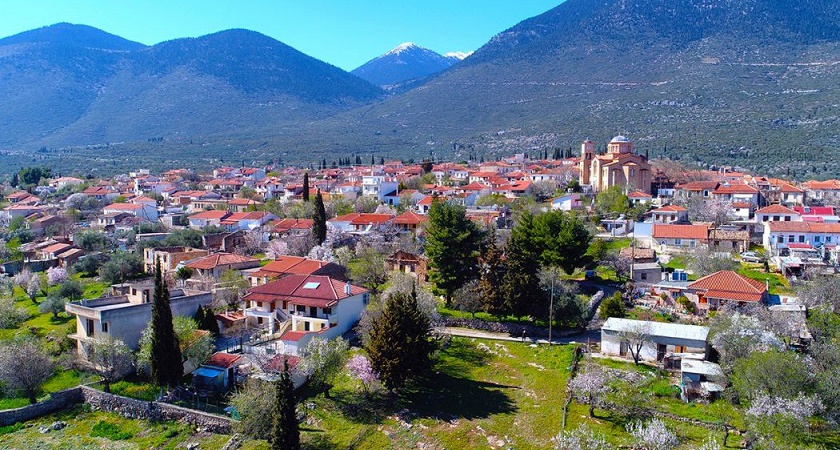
{"type": "Point", "coordinates": [727, 286]}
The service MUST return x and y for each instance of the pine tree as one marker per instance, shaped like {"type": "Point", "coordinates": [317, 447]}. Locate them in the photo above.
{"type": "Point", "coordinates": [285, 434]}
{"type": "Point", "coordinates": [319, 222]}
{"type": "Point", "coordinates": [167, 367]}
{"type": "Point", "coordinates": [399, 346]}
{"type": "Point", "coordinates": [452, 245]}
{"type": "Point", "coordinates": [492, 273]}
{"type": "Point", "coordinates": [521, 284]}
{"type": "Point", "coordinates": [306, 187]}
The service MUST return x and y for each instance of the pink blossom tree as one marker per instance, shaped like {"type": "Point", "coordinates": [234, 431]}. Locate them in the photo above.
{"type": "Point", "coordinates": [359, 366]}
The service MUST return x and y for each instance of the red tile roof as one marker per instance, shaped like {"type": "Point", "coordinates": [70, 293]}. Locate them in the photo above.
{"type": "Point", "coordinates": [212, 214]}
{"type": "Point", "coordinates": [804, 227]}
{"type": "Point", "coordinates": [410, 218]}
{"type": "Point", "coordinates": [220, 259]}
{"type": "Point", "coordinates": [307, 290]}
{"type": "Point", "coordinates": [671, 231]}
{"type": "Point", "coordinates": [776, 209]}
{"type": "Point", "coordinates": [728, 285]}
{"type": "Point", "coordinates": [293, 336]}
{"type": "Point", "coordinates": [281, 226]}
{"type": "Point", "coordinates": [669, 209]}
{"type": "Point", "coordinates": [223, 360]}
{"type": "Point", "coordinates": [366, 219]}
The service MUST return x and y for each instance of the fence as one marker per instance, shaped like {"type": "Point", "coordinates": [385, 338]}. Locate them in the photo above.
{"type": "Point", "coordinates": [125, 406]}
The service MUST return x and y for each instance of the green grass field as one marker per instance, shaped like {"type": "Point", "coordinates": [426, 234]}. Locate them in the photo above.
{"type": "Point", "coordinates": [98, 430]}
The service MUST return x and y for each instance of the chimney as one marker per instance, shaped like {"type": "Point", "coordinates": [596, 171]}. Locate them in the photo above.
{"type": "Point", "coordinates": [347, 288]}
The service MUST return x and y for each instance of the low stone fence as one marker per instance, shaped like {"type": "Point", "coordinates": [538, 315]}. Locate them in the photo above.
{"type": "Point", "coordinates": [154, 411]}
{"type": "Point", "coordinates": [124, 406]}
{"type": "Point", "coordinates": [57, 402]}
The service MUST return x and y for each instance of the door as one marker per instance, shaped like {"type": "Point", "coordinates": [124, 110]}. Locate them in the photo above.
{"type": "Point", "coordinates": [660, 352]}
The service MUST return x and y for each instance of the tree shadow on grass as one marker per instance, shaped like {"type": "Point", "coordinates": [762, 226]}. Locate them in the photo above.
{"type": "Point", "coordinates": [441, 397]}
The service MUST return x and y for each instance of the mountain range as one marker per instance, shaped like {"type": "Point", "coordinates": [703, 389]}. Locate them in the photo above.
{"type": "Point", "coordinates": [755, 83]}
{"type": "Point", "coordinates": [406, 63]}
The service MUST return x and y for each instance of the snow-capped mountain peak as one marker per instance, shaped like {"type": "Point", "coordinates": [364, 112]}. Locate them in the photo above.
{"type": "Point", "coordinates": [406, 62]}
{"type": "Point", "coordinates": [457, 55]}
{"type": "Point", "coordinates": [403, 47]}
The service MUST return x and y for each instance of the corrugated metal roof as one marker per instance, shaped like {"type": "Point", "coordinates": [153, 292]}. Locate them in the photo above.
{"type": "Point", "coordinates": [672, 330]}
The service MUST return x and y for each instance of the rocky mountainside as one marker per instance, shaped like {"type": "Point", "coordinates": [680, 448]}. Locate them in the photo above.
{"type": "Point", "coordinates": [751, 82]}
{"type": "Point", "coordinates": [71, 85]}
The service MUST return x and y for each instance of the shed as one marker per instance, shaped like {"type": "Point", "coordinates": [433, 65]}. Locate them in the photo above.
{"type": "Point", "coordinates": [661, 338]}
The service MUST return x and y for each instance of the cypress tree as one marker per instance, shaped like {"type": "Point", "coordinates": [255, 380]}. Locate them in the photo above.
{"type": "Point", "coordinates": [399, 347]}
{"type": "Point", "coordinates": [167, 367]}
{"type": "Point", "coordinates": [319, 223]}
{"type": "Point", "coordinates": [305, 192]}
{"type": "Point", "coordinates": [492, 273]}
{"type": "Point", "coordinates": [285, 434]}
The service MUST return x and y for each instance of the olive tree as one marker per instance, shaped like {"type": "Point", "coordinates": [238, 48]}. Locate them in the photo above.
{"type": "Point", "coordinates": [24, 366]}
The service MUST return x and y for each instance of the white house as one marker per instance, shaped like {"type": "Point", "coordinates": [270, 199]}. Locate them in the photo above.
{"type": "Point", "coordinates": [298, 303]}
{"type": "Point", "coordinates": [145, 211]}
{"type": "Point", "coordinates": [126, 312]}
{"type": "Point", "coordinates": [378, 186]}
{"type": "Point", "coordinates": [777, 213]}
{"type": "Point", "coordinates": [617, 335]}
{"type": "Point", "coordinates": [779, 235]}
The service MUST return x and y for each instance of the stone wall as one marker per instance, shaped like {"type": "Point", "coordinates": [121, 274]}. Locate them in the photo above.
{"type": "Point", "coordinates": [57, 402]}
{"type": "Point", "coordinates": [154, 411]}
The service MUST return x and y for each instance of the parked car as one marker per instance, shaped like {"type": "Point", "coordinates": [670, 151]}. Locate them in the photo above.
{"type": "Point", "coordinates": [751, 257]}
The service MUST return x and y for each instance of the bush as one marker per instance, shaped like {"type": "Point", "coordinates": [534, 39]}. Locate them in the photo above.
{"type": "Point", "coordinates": [612, 307]}
{"type": "Point", "coordinates": [686, 304]}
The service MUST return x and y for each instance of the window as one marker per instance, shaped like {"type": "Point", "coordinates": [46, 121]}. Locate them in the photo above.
{"type": "Point", "coordinates": [692, 244]}
{"type": "Point", "coordinates": [816, 238]}
{"type": "Point", "coordinates": [828, 239]}
{"type": "Point", "coordinates": [791, 238]}
{"type": "Point", "coordinates": [327, 310]}
{"type": "Point", "coordinates": [644, 275]}
{"type": "Point", "coordinates": [780, 239]}
{"type": "Point", "coordinates": [677, 241]}
{"type": "Point", "coordinates": [801, 238]}
{"type": "Point", "coordinates": [90, 330]}
{"type": "Point", "coordinates": [787, 218]}
{"type": "Point", "coordinates": [775, 218]}
{"type": "Point", "coordinates": [104, 327]}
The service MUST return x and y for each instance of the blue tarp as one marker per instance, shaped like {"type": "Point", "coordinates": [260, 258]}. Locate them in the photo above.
{"type": "Point", "coordinates": [208, 372]}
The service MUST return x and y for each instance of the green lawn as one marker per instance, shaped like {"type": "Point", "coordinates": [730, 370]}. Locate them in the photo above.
{"type": "Point", "coordinates": [63, 379]}
{"type": "Point", "coordinates": [778, 283]}
{"type": "Point", "coordinates": [98, 430]}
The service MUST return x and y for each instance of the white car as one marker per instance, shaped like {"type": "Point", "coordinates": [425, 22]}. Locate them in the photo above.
{"type": "Point", "coordinates": [751, 257]}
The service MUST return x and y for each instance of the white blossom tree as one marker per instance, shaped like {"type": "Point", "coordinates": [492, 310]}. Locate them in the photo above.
{"type": "Point", "coordinates": [590, 386]}
{"type": "Point", "coordinates": [56, 275]}
{"type": "Point", "coordinates": [323, 360]}
{"type": "Point", "coordinates": [581, 438]}
{"type": "Point", "coordinates": [735, 336]}
{"type": "Point", "coordinates": [653, 435]}
{"type": "Point", "coordinates": [110, 358]}
{"type": "Point", "coordinates": [276, 248]}
{"type": "Point", "coordinates": [24, 366]}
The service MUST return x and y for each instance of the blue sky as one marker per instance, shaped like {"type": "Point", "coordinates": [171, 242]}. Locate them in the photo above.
{"type": "Point", "coordinates": [346, 33]}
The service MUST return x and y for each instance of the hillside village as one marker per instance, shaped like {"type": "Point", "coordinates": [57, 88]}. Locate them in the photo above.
{"type": "Point", "coordinates": [629, 299]}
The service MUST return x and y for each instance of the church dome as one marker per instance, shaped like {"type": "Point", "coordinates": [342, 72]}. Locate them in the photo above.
{"type": "Point", "coordinates": [619, 139]}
